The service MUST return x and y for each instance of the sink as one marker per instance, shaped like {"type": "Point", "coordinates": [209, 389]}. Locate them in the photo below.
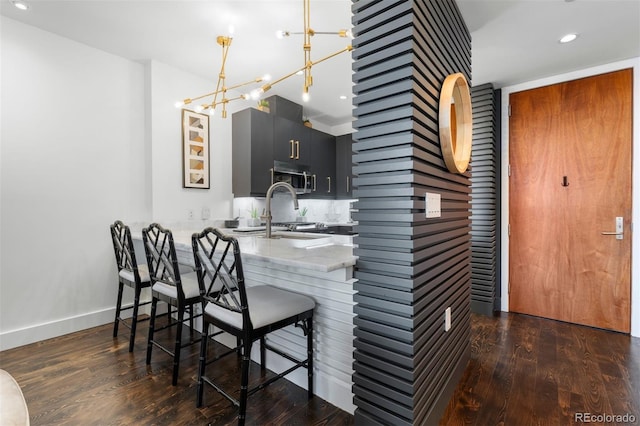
{"type": "Point", "coordinates": [303, 240]}
{"type": "Point", "coordinates": [289, 236]}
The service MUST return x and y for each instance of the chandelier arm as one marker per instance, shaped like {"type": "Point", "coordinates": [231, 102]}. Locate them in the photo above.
{"type": "Point", "coordinates": [255, 80]}
{"type": "Point", "coordinates": [221, 78]}
{"type": "Point", "coordinates": [346, 49]}
{"type": "Point", "coordinates": [273, 83]}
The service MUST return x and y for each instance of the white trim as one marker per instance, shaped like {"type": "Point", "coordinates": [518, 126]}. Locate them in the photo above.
{"type": "Point", "coordinates": [48, 330]}
{"type": "Point", "coordinates": [37, 332]}
{"type": "Point", "coordinates": [635, 243]}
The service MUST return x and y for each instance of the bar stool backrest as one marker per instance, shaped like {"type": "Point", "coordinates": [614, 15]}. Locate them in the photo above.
{"type": "Point", "coordinates": [220, 275]}
{"type": "Point", "coordinates": [123, 248]}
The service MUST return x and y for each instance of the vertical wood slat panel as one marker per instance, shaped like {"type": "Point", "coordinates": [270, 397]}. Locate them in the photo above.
{"type": "Point", "coordinates": [484, 199]}
{"type": "Point", "coordinates": [410, 268]}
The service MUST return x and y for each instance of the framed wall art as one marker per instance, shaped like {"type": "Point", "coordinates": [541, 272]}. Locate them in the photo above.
{"type": "Point", "coordinates": [195, 150]}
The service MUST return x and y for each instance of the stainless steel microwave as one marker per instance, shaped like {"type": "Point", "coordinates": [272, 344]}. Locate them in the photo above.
{"type": "Point", "coordinates": [296, 175]}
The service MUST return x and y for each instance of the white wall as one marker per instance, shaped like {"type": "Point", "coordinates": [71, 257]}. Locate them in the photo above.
{"type": "Point", "coordinates": [71, 138]}
{"type": "Point", "coordinates": [87, 138]}
{"type": "Point", "coordinates": [171, 202]}
{"type": "Point", "coordinates": [635, 245]}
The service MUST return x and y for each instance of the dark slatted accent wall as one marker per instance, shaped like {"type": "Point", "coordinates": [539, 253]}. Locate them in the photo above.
{"type": "Point", "coordinates": [484, 200]}
{"type": "Point", "coordinates": [410, 269]}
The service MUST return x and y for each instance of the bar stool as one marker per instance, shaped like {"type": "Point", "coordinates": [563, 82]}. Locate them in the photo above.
{"type": "Point", "coordinates": [248, 313]}
{"type": "Point", "coordinates": [130, 274]}
{"type": "Point", "coordinates": [180, 291]}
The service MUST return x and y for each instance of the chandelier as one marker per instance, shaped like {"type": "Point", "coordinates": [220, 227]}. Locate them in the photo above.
{"type": "Point", "coordinates": [220, 93]}
{"type": "Point", "coordinates": [221, 88]}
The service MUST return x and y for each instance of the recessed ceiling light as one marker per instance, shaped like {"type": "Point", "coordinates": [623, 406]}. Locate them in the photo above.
{"type": "Point", "coordinates": [343, 97]}
{"type": "Point", "coordinates": [20, 5]}
{"type": "Point", "coordinates": [568, 38]}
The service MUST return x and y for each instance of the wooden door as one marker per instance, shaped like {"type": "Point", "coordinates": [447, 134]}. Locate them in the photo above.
{"type": "Point", "coordinates": [570, 157]}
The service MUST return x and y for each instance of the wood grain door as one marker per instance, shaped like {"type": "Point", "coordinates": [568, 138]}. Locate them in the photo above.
{"type": "Point", "coordinates": [570, 157]}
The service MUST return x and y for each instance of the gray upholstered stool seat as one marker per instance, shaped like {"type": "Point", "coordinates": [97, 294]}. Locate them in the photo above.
{"type": "Point", "coordinates": [268, 305]}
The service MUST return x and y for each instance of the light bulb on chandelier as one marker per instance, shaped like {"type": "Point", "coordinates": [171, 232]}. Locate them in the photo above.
{"type": "Point", "coordinates": [255, 94]}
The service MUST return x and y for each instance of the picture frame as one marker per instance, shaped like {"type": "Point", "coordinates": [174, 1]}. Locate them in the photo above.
{"type": "Point", "coordinates": [195, 150]}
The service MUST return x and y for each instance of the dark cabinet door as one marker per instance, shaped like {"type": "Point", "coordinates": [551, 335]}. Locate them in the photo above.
{"type": "Point", "coordinates": [291, 141]}
{"type": "Point", "coordinates": [344, 166]}
{"type": "Point", "coordinates": [323, 164]}
{"type": "Point", "coordinates": [252, 152]}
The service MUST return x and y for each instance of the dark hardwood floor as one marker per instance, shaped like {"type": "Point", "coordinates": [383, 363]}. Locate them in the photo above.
{"type": "Point", "coordinates": [90, 378]}
{"type": "Point", "coordinates": [532, 371]}
{"type": "Point", "coordinates": [523, 371]}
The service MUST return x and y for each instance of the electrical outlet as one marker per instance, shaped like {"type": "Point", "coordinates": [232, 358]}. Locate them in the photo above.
{"type": "Point", "coordinates": [432, 205]}
{"type": "Point", "coordinates": [190, 214]}
{"type": "Point", "coordinates": [447, 319]}
{"type": "Point", "coordinates": [206, 213]}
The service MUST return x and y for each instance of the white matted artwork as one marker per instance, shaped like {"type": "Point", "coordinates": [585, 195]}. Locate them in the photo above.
{"type": "Point", "coordinates": [195, 150]}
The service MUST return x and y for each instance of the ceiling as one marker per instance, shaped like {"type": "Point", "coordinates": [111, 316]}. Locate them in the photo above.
{"type": "Point", "coordinates": [513, 40]}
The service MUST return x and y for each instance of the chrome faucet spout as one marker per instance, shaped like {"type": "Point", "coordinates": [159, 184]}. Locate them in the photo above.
{"type": "Point", "coordinates": [270, 191]}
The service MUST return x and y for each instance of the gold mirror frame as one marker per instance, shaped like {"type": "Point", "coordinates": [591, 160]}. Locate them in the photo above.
{"type": "Point", "coordinates": [455, 123]}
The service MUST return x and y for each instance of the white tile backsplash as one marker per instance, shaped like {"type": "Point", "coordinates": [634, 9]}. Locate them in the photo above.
{"type": "Point", "coordinates": [323, 211]}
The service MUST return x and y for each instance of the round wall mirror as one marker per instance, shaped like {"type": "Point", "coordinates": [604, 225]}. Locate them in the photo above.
{"type": "Point", "coordinates": [455, 124]}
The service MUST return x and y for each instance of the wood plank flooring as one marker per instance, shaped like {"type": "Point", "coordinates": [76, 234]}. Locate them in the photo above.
{"type": "Point", "coordinates": [523, 371]}
{"type": "Point", "coordinates": [90, 378]}
{"type": "Point", "coordinates": [532, 371]}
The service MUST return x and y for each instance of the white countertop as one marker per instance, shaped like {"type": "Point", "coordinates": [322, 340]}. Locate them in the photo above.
{"type": "Point", "coordinates": [320, 252]}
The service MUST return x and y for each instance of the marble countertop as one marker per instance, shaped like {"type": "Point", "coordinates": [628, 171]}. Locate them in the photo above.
{"type": "Point", "coordinates": [320, 252]}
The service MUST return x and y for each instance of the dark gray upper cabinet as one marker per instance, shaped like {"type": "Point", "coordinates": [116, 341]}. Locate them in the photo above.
{"type": "Point", "coordinates": [323, 164]}
{"type": "Point", "coordinates": [252, 151]}
{"type": "Point", "coordinates": [259, 138]}
{"type": "Point", "coordinates": [344, 167]}
{"type": "Point", "coordinates": [292, 141]}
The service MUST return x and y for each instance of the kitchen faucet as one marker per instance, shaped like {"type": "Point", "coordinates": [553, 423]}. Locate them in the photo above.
{"type": "Point", "coordinates": [267, 215]}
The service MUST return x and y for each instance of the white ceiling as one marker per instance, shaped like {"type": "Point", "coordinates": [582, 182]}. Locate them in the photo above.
{"type": "Point", "coordinates": [513, 40]}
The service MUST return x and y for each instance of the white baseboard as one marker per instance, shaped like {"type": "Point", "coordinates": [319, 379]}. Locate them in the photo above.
{"type": "Point", "coordinates": [37, 332]}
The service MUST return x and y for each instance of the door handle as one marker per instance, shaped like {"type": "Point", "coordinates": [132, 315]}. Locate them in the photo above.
{"type": "Point", "coordinates": [291, 152]}
{"type": "Point", "coordinates": [619, 232]}
{"type": "Point", "coordinates": [297, 150]}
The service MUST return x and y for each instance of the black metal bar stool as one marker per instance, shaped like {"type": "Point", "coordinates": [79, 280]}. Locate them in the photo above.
{"type": "Point", "coordinates": [248, 313]}
{"type": "Point", "coordinates": [180, 291]}
{"type": "Point", "coordinates": [130, 274]}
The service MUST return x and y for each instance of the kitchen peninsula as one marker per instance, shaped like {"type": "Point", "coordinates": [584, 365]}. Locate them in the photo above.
{"type": "Point", "coordinates": [316, 265]}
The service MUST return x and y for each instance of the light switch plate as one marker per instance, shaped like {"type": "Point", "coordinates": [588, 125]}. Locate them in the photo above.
{"type": "Point", "coordinates": [447, 319]}
{"type": "Point", "coordinates": [432, 205]}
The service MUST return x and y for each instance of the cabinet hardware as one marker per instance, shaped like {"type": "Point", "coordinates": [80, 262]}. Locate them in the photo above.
{"type": "Point", "coordinates": [329, 179]}
{"type": "Point", "coordinates": [291, 151]}
{"type": "Point", "coordinates": [314, 182]}
{"type": "Point", "coordinates": [271, 169]}
{"type": "Point", "coordinates": [297, 150]}
{"type": "Point", "coordinates": [347, 184]}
